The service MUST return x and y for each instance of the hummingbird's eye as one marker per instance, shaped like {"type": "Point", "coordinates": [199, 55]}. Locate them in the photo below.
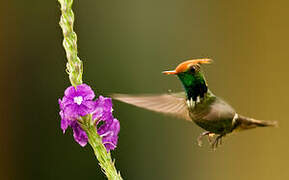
{"type": "Point", "coordinates": [195, 68]}
{"type": "Point", "coordinates": [192, 70]}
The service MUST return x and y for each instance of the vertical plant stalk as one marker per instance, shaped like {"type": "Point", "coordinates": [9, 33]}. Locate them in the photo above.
{"type": "Point", "coordinates": [101, 154]}
{"type": "Point", "coordinates": [74, 65]}
{"type": "Point", "coordinates": [75, 69]}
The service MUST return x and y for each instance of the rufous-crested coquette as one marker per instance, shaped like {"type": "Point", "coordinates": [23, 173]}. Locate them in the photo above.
{"type": "Point", "coordinates": [196, 104]}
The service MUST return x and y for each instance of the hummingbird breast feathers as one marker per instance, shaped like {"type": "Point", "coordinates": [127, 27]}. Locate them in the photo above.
{"type": "Point", "coordinates": [214, 115]}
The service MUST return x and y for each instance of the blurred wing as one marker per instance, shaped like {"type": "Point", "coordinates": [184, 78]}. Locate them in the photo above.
{"type": "Point", "coordinates": [171, 104]}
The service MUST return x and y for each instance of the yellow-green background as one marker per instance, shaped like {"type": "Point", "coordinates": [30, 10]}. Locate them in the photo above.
{"type": "Point", "coordinates": [125, 44]}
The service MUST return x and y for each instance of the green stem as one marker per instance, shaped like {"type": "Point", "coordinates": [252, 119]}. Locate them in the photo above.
{"type": "Point", "coordinates": [74, 65]}
{"type": "Point", "coordinates": [101, 154]}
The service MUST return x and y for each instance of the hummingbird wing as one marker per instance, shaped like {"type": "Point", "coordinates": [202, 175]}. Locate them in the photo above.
{"type": "Point", "coordinates": [173, 104]}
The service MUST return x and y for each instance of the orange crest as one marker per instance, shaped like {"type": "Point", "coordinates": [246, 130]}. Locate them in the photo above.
{"type": "Point", "coordinates": [187, 64]}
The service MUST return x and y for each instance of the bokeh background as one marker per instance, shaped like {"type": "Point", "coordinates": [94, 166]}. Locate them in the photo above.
{"type": "Point", "coordinates": [124, 46]}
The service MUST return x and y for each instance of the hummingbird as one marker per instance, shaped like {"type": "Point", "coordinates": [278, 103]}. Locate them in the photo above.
{"type": "Point", "coordinates": [197, 103]}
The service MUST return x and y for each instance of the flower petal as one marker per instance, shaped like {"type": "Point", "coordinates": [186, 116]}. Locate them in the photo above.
{"type": "Point", "coordinates": [60, 104]}
{"type": "Point", "coordinates": [64, 125]}
{"type": "Point", "coordinates": [67, 100]}
{"type": "Point", "coordinates": [85, 91]}
{"type": "Point", "coordinates": [89, 105]}
{"type": "Point", "coordinates": [105, 103]}
{"type": "Point", "coordinates": [109, 134]}
{"type": "Point", "coordinates": [70, 91]}
{"type": "Point", "coordinates": [71, 111]}
{"type": "Point", "coordinates": [79, 135]}
{"type": "Point", "coordinates": [103, 110]}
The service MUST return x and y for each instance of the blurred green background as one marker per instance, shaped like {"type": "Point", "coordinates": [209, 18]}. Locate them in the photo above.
{"type": "Point", "coordinates": [125, 45]}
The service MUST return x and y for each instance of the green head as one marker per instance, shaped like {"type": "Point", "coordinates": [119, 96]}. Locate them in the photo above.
{"type": "Point", "coordinates": [192, 78]}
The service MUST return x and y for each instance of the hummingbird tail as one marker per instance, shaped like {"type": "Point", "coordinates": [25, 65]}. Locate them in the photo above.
{"type": "Point", "coordinates": [249, 123]}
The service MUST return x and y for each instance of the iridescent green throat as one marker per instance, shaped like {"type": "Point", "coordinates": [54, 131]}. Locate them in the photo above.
{"type": "Point", "coordinates": [194, 83]}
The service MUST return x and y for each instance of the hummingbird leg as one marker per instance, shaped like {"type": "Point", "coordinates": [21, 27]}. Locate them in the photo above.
{"type": "Point", "coordinates": [210, 136]}
{"type": "Point", "coordinates": [218, 141]}
{"type": "Point", "coordinates": [206, 133]}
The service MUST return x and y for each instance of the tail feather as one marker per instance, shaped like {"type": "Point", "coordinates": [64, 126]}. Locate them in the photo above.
{"type": "Point", "coordinates": [249, 123]}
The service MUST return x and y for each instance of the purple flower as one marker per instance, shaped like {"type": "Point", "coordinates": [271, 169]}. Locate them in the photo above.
{"type": "Point", "coordinates": [79, 134]}
{"type": "Point", "coordinates": [109, 134]}
{"type": "Point", "coordinates": [103, 109]}
{"type": "Point", "coordinates": [64, 121]}
{"type": "Point", "coordinates": [110, 127]}
{"type": "Point", "coordinates": [78, 102]}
